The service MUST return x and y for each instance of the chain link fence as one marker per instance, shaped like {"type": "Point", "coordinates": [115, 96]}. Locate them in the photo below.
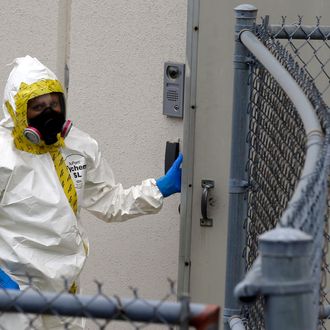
{"type": "Point", "coordinates": [31, 308]}
{"type": "Point", "coordinates": [277, 149]}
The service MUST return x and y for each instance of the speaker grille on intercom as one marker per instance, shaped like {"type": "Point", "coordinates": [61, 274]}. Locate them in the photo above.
{"type": "Point", "coordinates": [172, 95]}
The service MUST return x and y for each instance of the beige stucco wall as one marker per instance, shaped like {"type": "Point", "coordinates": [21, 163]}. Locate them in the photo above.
{"type": "Point", "coordinates": [117, 52]}
{"type": "Point", "coordinates": [30, 28]}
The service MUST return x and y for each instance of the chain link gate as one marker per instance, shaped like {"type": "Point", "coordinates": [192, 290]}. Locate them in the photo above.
{"type": "Point", "coordinates": [274, 153]}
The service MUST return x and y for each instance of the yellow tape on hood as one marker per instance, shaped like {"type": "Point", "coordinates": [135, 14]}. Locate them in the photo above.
{"type": "Point", "coordinates": [25, 93]}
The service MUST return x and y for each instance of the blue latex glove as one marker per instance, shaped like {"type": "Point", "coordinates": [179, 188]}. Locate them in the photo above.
{"type": "Point", "coordinates": [6, 282]}
{"type": "Point", "coordinates": [170, 183]}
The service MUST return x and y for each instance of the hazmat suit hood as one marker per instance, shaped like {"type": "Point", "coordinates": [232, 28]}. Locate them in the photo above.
{"type": "Point", "coordinates": [28, 79]}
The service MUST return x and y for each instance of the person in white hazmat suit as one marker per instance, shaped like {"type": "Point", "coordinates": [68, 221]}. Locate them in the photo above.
{"type": "Point", "coordinates": [49, 170]}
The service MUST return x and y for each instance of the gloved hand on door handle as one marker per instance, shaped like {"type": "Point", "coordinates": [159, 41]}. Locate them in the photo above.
{"type": "Point", "coordinates": [170, 183]}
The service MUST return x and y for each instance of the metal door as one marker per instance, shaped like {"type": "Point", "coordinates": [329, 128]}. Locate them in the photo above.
{"type": "Point", "coordinates": [206, 148]}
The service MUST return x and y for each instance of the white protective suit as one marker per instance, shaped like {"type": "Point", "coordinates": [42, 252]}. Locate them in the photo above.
{"type": "Point", "coordinates": [40, 234]}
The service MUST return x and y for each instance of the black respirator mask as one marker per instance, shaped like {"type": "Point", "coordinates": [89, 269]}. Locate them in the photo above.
{"type": "Point", "coordinates": [46, 126]}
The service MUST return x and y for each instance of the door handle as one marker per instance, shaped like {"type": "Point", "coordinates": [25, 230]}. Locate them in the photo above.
{"type": "Point", "coordinates": [205, 221]}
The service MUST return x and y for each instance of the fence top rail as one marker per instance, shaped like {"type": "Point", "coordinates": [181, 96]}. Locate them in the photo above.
{"type": "Point", "coordinates": [304, 107]}
{"type": "Point", "coordinates": [116, 308]}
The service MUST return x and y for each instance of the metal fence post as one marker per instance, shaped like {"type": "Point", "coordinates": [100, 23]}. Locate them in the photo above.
{"type": "Point", "coordinates": [238, 182]}
{"type": "Point", "coordinates": [287, 281]}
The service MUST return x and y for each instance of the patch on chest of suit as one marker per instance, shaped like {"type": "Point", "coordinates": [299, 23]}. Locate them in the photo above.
{"type": "Point", "coordinates": [76, 165]}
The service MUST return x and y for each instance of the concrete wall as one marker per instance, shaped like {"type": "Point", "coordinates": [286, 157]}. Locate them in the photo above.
{"type": "Point", "coordinates": [31, 29]}
{"type": "Point", "coordinates": [117, 52]}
